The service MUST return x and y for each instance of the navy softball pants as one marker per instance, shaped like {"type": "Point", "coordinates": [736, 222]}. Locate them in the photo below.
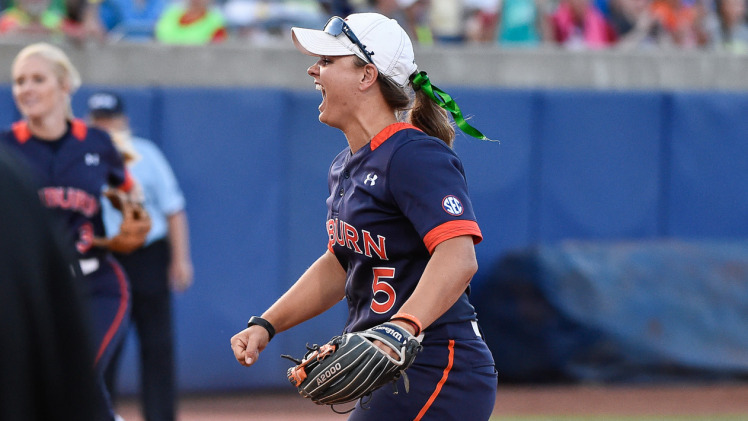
{"type": "Point", "coordinates": [452, 378]}
{"type": "Point", "coordinates": [109, 300]}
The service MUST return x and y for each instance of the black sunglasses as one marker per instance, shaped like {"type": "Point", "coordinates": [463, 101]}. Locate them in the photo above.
{"type": "Point", "coordinates": [336, 26]}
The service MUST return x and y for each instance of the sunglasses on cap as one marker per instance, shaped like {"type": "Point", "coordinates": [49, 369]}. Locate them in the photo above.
{"type": "Point", "coordinates": [336, 26]}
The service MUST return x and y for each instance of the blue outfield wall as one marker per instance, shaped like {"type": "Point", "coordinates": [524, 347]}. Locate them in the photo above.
{"type": "Point", "coordinates": [659, 310]}
{"type": "Point", "coordinates": [569, 164]}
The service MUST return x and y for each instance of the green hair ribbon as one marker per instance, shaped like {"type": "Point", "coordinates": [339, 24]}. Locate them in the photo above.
{"type": "Point", "coordinates": [421, 81]}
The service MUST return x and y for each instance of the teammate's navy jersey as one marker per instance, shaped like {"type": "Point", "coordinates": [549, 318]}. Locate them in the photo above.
{"type": "Point", "coordinates": [71, 173]}
{"type": "Point", "coordinates": [391, 203]}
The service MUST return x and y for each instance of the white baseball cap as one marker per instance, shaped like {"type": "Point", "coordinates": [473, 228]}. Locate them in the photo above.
{"type": "Point", "coordinates": [385, 41]}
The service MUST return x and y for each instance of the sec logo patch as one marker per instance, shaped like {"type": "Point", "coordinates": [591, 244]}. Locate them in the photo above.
{"type": "Point", "coordinates": [452, 205]}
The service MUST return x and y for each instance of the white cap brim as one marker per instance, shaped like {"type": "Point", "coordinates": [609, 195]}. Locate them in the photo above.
{"type": "Point", "coordinates": [314, 42]}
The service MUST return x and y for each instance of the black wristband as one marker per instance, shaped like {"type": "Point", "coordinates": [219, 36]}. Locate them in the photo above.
{"type": "Point", "coordinates": [259, 321]}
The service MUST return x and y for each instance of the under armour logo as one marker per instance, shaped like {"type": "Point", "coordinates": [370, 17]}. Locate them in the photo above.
{"type": "Point", "coordinates": [92, 159]}
{"type": "Point", "coordinates": [371, 177]}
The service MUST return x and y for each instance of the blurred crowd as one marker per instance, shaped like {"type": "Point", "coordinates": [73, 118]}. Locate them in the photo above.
{"type": "Point", "coordinates": [570, 24]}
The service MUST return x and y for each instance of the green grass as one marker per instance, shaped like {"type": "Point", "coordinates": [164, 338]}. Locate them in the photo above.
{"type": "Point", "coordinates": [715, 417]}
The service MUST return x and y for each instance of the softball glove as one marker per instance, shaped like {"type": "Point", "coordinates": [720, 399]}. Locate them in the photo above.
{"type": "Point", "coordinates": [351, 366]}
{"type": "Point", "coordinates": [134, 227]}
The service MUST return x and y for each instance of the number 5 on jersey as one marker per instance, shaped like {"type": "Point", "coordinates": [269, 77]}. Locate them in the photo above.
{"type": "Point", "coordinates": [380, 287]}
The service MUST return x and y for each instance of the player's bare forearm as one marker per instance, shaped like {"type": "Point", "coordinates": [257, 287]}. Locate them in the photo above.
{"type": "Point", "coordinates": [180, 271]}
{"type": "Point", "coordinates": [318, 289]}
{"type": "Point", "coordinates": [445, 278]}
{"type": "Point", "coordinates": [179, 239]}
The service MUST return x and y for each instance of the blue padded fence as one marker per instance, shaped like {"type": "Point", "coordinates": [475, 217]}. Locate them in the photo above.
{"type": "Point", "coordinates": [657, 310]}
{"type": "Point", "coordinates": [604, 166]}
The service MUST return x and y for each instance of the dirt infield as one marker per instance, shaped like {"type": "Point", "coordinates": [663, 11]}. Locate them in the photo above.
{"type": "Point", "coordinates": [698, 400]}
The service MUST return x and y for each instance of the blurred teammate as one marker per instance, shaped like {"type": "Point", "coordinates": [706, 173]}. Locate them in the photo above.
{"type": "Point", "coordinates": [400, 223]}
{"type": "Point", "coordinates": [41, 309]}
{"type": "Point", "coordinates": [161, 265]}
{"type": "Point", "coordinates": [72, 163]}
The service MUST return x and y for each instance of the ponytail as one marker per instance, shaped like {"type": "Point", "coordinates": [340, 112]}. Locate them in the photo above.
{"type": "Point", "coordinates": [428, 109]}
{"type": "Point", "coordinates": [424, 89]}
{"type": "Point", "coordinates": [420, 111]}
{"type": "Point", "coordinates": [432, 119]}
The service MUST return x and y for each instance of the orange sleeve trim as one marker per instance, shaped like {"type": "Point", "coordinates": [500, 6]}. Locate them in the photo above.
{"type": "Point", "coordinates": [388, 131]}
{"type": "Point", "coordinates": [129, 182]}
{"type": "Point", "coordinates": [79, 129]}
{"type": "Point", "coordinates": [452, 229]}
{"type": "Point", "coordinates": [439, 385]}
{"type": "Point", "coordinates": [21, 131]}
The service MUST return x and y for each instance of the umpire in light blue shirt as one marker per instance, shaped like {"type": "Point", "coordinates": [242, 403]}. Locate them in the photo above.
{"type": "Point", "coordinates": [161, 266]}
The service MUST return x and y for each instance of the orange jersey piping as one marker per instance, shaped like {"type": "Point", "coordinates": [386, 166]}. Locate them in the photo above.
{"type": "Point", "coordinates": [21, 131]}
{"type": "Point", "coordinates": [388, 131]}
{"type": "Point", "coordinates": [439, 385]}
{"type": "Point", "coordinates": [119, 317]}
{"type": "Point", "coordinates": [79, 129]}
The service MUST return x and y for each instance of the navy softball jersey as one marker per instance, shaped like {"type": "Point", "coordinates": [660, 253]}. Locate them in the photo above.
{"type": "Point", "coordinates": [71, 173]}
{"type": "Point", "coordinates": [391, 203]}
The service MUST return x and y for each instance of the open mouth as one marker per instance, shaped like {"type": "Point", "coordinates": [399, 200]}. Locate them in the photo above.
{"type": "Point", "coordinates": [319, 87]}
